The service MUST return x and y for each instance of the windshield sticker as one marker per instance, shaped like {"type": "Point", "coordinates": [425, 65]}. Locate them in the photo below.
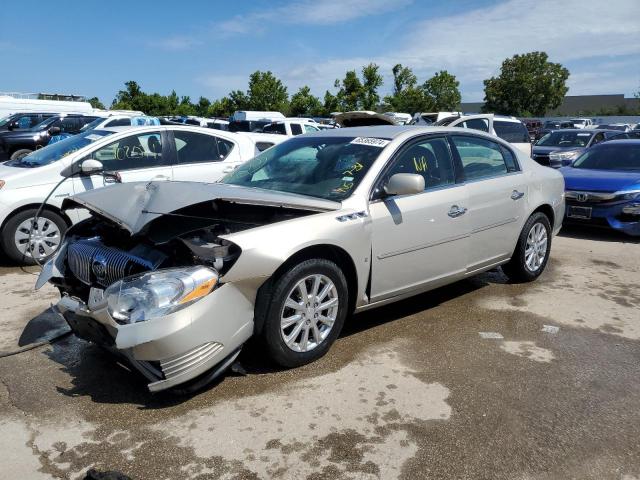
{"type": "Point", "coordinates": [373, 142]}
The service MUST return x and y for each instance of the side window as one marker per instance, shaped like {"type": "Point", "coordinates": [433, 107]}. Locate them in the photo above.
{"type": "Point", "coordinates": [296, 128]}
{"type": "Point", "coordinates": [135, 151]}
{"type": "Point", "coordinates": [597, 138]}
{"type": "Point", "coordinates": [480, 158]}
{"type": "Point", "coordinates": [310, 128]}
{"type": "Point", "coordinates": [69, 125]}
{"type": "Point", "coordinates": [512, 132]}
{"type": "Point", "coordinates": [262, 146]}
{"type": "Point", "coordinates": [429, 158]}
{"type": "Point", "coordinates": [509, 159]}
{"type": "Point", "coordinates": [475, 124]}
{"type": "Point", "coordinates": [278, 128]}
{"type": "Point", "coordinates": [26, 121]}
{"type": "Point", "coordinates": [119, 122]}
{"type": "Point", "coordinates": [192, 147]}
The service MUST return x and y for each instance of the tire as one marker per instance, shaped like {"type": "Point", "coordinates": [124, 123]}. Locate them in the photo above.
{"type": "Point", "coordinates": [328, 322]}
{"type": "Point", "coordinates": [18, 154]}
{"type": "Point", "coordinates": [17, 228]}
{"type": "Point", "coordinates": [536, 234]}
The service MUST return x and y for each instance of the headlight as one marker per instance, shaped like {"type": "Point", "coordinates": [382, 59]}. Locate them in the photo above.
{"type": "Point", "coordinates": [630, 195]}
{"type": "Point", "coordinates": [155, 294]}
{"type": "Point", "coordinates": [566, 155]}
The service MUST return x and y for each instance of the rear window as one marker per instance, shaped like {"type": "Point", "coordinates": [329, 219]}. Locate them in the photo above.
{"type": "Point", "coordinates": [512, 132]}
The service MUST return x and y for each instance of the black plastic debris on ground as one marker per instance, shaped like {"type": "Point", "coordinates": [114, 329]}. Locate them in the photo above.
{"type": "Point", "coordinates": [94, 474]}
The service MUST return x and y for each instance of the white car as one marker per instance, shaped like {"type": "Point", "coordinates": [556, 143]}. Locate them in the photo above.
{"type": "Point", "coordinates": [136, 154]}
{"type": "Point", "coordinates": [124, 120]}
{"type": "Point", "coordinates": [582, 123]}
{"type": "Point", "coordinates": [291, 127]}
{"type": "Point", "coordinates": [507, 128]}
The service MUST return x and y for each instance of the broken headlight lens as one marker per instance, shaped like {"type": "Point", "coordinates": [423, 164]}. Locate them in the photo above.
{"type": "Point", "coordinates": [159, 293]}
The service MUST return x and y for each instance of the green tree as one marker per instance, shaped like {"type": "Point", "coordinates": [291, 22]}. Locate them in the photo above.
{"type": "Point", "coordinates": [202, 107]}
{"type": "Point", "coordinates": [371, 81]}
{"type": "Point", "coordinates": [96, 103]}
{"type": "Point", "coordinates": [443, 90]}
{"type": "Point", "coordinates": [407, 97]}
{"type": "Point", "coordinates": [266, 92]}
{"type": "Point", "coordinates": [330, 104]}
{"type": "Point", "coordinates": [239, 100]}
{"type": "Point", "coordinates": [304, 103]}
{"type": "Point", "coordinates": [350, 92]}
{"type": "Point", "coordinates": [528, 85]}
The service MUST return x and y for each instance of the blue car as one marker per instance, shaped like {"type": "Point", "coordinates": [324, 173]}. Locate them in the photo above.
{"type": "Point", "coordinates": [602, 187]}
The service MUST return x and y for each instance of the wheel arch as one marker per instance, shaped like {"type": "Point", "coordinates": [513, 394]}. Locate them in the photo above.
{"type": "Point", "coordinates": [334, 253]}
{"type": "Point", "coordinates": [29, 206]}
{"type": "Point", "coordinates": [548, 211]}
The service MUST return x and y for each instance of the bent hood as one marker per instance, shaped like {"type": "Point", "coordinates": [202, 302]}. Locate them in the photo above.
{"type": "Point", "coordinates": [599, 180]}
{"type": "Point", "coordinates": [134, 205]}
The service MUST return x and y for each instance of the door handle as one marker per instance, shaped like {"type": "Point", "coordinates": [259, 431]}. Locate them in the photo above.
{"type": "Point", "coordinates": [456, 211]}
{"type": "Point", "coordinates": [228, 169]}
{"type": "Point", "coordinates": [160, 178]}
{"type": "Point", "coordinates": [516, 195]}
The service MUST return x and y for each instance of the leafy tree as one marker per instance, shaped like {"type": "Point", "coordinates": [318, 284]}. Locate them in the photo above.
{"type": "Point", "coordinates": [239, 100]}
{"type": "Point", "coordinates": [266, 92]}
{"type": "Point", "coordinates": [371, 81]}
{"type": "Point", "coordinates": [331, 103]}
{"type": "Point", "coordinates": [350, 91]}
{"type": "Point", "coordinates": [528, 85]}
{"type": "Point", "coordinates": [202, 107]}
{"type": "Point", "coordinates": [443, 90]}
{"type": "Point", "coordinates": [96, 103]}
{"type": "Point", "coordinates": [406, 96]}
{"type": "Point", "coordinates": [304, 103]}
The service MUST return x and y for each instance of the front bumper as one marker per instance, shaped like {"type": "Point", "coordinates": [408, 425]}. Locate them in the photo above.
{"type": "Point", "coordinates": [619, 216]}
{"type": "Point", "coordinates": [174, 349]}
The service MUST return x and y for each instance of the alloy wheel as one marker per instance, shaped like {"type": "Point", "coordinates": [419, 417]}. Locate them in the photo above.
{"type": "Point", "coordinates": [536, 249]}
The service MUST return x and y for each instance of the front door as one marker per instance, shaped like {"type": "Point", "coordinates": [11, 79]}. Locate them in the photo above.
{"type": "Point", "coordinates": [497, 198]}
{"type": "Point", "coordinates": [137, 157]}
{"type": "Point", "coordinates": [422, 239]}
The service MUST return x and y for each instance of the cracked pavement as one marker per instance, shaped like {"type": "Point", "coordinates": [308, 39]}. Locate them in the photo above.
{"type": "Point", "coordinates": [410, 390]}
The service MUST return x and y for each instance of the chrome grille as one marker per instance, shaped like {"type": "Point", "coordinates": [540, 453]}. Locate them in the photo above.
{"type": "Point", "coordinates": [174, 366]}
{"type": "Point", "coordinates": [91, 262]}
{"type": "Point", "coordinates": [589, 197]}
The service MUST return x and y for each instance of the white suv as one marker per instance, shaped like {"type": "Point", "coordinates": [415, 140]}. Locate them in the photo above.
{"type": "Point", "coordinates": [134, 154]}
{"type": "Point", "coordinates": [291, 127]}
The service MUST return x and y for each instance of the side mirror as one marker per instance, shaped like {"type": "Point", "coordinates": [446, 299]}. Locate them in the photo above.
{"type": "Point", "coordinates": [54, 131]}
{"type": "Point", "coordinates": [404, 184]}
{"type": "Point", "coordinates": [90, 166]}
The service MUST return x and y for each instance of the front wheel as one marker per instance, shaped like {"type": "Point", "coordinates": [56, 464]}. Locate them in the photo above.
{"type": "Point", "coordinates": [27, 241]}
{"type": "Point", "coordinates": [305, 315]}
{"type": "Point", "coordinates": [532, 251]}
{"type": "Point", "coordinates": [18, 154]}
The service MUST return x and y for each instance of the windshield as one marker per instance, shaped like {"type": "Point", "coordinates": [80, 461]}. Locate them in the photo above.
{"type": "Point", "coordinates": [551, 124]}
{"type": "Point", "coordinates": [5, 120]}
{"type": "Point", "coordinates": [324, 167]}
{"type": "Point", "coordinates": [565, 139]}
{"type": "Point", "coordinates": [58, 150]}
{"type": "Point", "coordinates": [611, 156]}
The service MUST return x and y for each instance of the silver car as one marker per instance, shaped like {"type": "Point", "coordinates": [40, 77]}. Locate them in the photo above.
{"type": "Point", "coordinates": [177, 276]}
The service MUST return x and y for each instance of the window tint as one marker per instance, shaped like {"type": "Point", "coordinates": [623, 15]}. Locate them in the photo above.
{"type": "Point", "coordinates": [119, 122]}
{"type": "Point", "coordinates": [66, 125]}
{"type": "Point", "coordinates": [509, 159]}
{"type": "Point", "coordinates": [278, 128]}
{"type": "Point", "coordinates": [597, 138]}
{"type": "Point", "coordinates": [480, 158]}
{"type": "Point", "coordinates": [136, 151]}
{"type": "Point", "coordinates": [262, 146]}
{"type": "Point", "coordinates": [475, 124]}
{"type": "Point", "coordinates": [192, 147]}
{"type": "Point", "coordinates": [310, 128]}
{"type": "Point", "coordinates": [296, 128]}
{"type": "Point", "coordinates": [26, 121]}
{"type": "Point", "coordinates": [511, 132]}
{"type": "Point", "coordinates": [429, 158]}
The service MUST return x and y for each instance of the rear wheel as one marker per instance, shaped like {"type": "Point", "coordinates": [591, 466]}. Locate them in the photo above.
{"type": "Point", "coordinates": [18, 154]}
{"type": "Point", "coordinates": [532, 251]}
{"type": "Point", "coordinates": [25, 240]}
{"type": "Point", "coordinates": [305, 315]}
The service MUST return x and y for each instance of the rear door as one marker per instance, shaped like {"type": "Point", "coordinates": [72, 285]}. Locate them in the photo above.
{"type": "Point", "coordinates": [202, 157]}
{"type": "Point", "coordinates": [497, 198]}
{"type": "Point", "coordinates": [515, 133]}
{"type": "Point", "coordinates": [141, 156]}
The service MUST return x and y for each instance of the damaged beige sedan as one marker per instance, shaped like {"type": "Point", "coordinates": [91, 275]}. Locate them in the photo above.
{"type": "Point", "coordinates": [177, 276]}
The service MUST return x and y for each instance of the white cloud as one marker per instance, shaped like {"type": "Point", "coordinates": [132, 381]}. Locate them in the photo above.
{"type": "Point", "coordinates": [472, 45]}
{"type": "Point", "coordinates": [309, 12]}
{"type": "Point", "coordinates": [176, 43]}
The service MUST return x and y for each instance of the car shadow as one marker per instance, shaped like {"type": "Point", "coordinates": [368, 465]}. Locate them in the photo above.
{"type": "Point", "coordinates": [94, 372]}
{"type": "Point", "coordinates": [584, 232]}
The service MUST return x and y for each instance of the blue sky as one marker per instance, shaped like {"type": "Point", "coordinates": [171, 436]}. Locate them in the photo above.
{"type": "Point", "coordinates": [210, 47]}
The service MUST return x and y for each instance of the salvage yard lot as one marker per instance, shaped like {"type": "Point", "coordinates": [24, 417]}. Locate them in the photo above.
{"type": "Point", "coordinates": [481, 379]}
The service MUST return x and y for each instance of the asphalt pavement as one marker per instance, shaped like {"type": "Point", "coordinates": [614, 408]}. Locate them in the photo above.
{"type": "Point", "coordinates": [478, 380]}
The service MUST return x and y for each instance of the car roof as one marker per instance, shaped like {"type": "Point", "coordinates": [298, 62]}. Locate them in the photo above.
{"type": "Point", "coordinates": [626, 141]}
